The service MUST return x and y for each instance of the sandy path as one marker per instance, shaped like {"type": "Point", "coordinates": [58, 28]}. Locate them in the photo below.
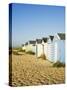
{"type": "Point", "coordinates": [27, 70]}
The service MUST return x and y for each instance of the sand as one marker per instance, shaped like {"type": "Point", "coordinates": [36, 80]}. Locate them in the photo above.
{"type": "Point", "coordinates": [28, 70]}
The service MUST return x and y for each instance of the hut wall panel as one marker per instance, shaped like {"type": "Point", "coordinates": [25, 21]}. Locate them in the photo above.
{"type": "Point", "coordinates": [28, 48]}
{"type": "Point", "coordinates": [23, 48]}
{"type": "Point", "coordinates": [51, 52]}
{"type": "Point", "coordinates": [57, 52]}
{"type": "Point", "coordinates": [60, 51]}
{"type": "Point", "coordinates": [39, 50]}
{"type": "Point", "coordinates": [46, 49]}
{"type": "Point", "coordinates": [34, 49]}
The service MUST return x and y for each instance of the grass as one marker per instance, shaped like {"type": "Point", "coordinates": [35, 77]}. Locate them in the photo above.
{"type": "Point", "coordinates": [16, 53]}
{"type": "Point", "coordinates": [58, 64]}
{"type": "Point", "coordinates": [30, 52]}
{"type": "Point", "coordinates": [20, 50]}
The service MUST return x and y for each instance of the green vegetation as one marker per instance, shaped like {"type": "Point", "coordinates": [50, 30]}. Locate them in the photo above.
{"type": "Point", "coordinates": [30, 52]}
{"type": "Point", "coordinates": [58, 64]}
{"type": "Point", "coordinates": [15, 52]}
{"type": "Point", "coordinates": [20, 50]}
{"type": "Point", "coordinates": [16, 48]}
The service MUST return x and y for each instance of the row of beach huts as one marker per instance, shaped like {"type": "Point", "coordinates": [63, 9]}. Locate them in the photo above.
{"type": "Point", "coordinates": [53, 47]}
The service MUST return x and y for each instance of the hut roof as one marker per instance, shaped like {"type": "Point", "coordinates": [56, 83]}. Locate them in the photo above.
{"type": "Point", "coordinates": [61, 36]}
{"type": "Point", "coordinates": [51, 37]}
{"type": "Point", "coordinates": [22, 45]}
{"type": "Point", "coordinates": [26, 43]}
{"type": "Point", "coordinates": [32, 42]}
{"type": "Point", "coordinates": [45, 39]}
{"type": "Point", "coordinates": [39, 40]}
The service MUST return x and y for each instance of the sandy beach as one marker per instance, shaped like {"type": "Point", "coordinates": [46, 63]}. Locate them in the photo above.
{"type": "Point", "coordinates": [28, 70]}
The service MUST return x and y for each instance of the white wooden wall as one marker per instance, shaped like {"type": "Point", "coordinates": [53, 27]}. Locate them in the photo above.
{"type": "Point", "coordinates": [23, 48]}
{"type": "Point", "coordinates": [34, 49]}
{"type": "Point", "coordinates": [51, 54]}
{"type": "Point", "coordinates": [26, 50]}
{"type": "Point", "coordinates": [60, 51]}
{"type": "Point", "coordinates": [57, 52]}
{"type": "Point", "coordinates": [62, 43]}
{"type": "Point", "coordinates": [29, 48]}
{"type": "Point", "coordinates": [46, 49]}
{"type": "Point", "coordinates": [39, 50]}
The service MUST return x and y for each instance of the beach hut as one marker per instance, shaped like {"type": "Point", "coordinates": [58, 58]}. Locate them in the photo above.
{"type": "Point", "coordinates": [50, 54]}
{"type": "Point", "coordinates": [59, 47]}
{"type": "Point", "coordinates": [34, 46]}
{"type": "Point", "coordinates": [23, 47]}
{"type": "Point", "coordinates": [39, 47]}
{"type": "Point", "coordinates": [31, 47]}
{"type": "Point", "coordinates": [26, 47]}
{"type": "Point", "coordinates": [45, 46]}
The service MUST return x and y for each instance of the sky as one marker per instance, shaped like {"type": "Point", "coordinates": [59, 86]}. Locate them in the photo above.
{"type": "Point", "coordinates": [31, 22]}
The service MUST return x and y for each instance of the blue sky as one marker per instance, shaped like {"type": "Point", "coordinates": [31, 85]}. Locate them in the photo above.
{"type": "Point", "coordinates": [36, 21]}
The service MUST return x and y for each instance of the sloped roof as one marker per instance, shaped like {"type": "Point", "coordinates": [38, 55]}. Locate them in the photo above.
{"type": "Point", "coordinates": [45, 39]}
{"type": "Point", "coordinates": [26, 43]}
{"type": "Point", "coordinates": [22, 44]}
{"type": "Point", "coordinates": [32, 42]}
{"type": "Point", "coordinates": [61, 36]}
{"type": "Point", "coordinates": [51, 37]}
{"type": "Point", "coordinates": [39, 40]}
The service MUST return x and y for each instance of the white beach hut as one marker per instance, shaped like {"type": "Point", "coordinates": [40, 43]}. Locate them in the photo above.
{"type": "Point", "coordinates": [59, 47]}
{"type": "Point", "coordinates": [31, 47]}
{"type": "Point", "coordinates": [39, 47]}
{"type": "Point", "coordinates": [26, 47]}
{"type": "Point", "coordinates": [51, 54]}
{"type": "Point", "coordinates": [23, 47]}
{"type": "Point", "coordinates": [45, 46]}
